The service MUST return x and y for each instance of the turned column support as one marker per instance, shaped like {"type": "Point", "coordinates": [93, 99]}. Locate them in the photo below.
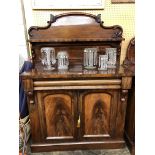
{"type": "Point", "coordinates": [28, 88]}
{"type": "Point", "coordinates": [126, 84]}
{"type": "Point", "coordinates": [124, 95]}
{"type": "Point", "coordinates": [30, 96]}
{"type": "Point", "coordinates": [122, 104]}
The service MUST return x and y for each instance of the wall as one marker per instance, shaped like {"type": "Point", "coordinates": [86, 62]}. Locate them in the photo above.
{"type": "Point", "coordinates": [113, 14]}
{"type": "Point", "coordinates": [21, 37]}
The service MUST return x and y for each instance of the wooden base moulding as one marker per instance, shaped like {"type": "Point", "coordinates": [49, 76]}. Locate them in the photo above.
{"type": "Point", "coordinates": [77, 145]}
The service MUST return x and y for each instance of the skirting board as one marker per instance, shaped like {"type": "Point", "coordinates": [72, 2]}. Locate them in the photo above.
{"type": "Point", "coordinates": [77, 145]}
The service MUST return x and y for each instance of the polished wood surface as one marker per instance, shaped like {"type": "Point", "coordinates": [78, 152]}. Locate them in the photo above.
{"type": "Point", "coordinates": [59, 118]}
{"type": "Point", "coordinates": [78, 87]}
{"type": "Point", "coordinates": [77, 72]}
{"type": "Point", "coordinates": [57, 111]}
{"type": "Point", "coordinates": [130, 55]}
{"type": "Point", "coordinates": [130, 120]}
{"type": "Point", "coordinates": [62, 34]}
{"type": "Point", "coordinates": [97, 117]}
{"type": "Point", "coordinates": [98, 113]}
{"type": "Point", "coordinates": [60, 28]}
{"type": "Point", "coordinates": [77, 108]}
{"type": "Point", "coordinates": [44, 147]}
{"type": "Point", "coordinates": [70, 33]}
{"type": "Point", "coordinates": [130, 113]}
{"type": "Point", "coordinates": [76, 82]}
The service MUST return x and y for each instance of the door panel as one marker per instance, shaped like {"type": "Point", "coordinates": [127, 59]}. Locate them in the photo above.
{"type": "Point", "coordinates": [98, 113]}
{"type": "Point", "coordinates": [57, 115]}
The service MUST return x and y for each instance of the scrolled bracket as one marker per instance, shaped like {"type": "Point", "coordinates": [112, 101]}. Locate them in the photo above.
{"type": "Point", "coordinates": [36, 28]}
{"type": "Point", "coordinates": [31, 29]}
{"type": "Point", "coordinates": [118, 32]}
{"type": "Point", "coordinates": [52, 18]}
{"type": "Point", "coordinates": [98, 19]}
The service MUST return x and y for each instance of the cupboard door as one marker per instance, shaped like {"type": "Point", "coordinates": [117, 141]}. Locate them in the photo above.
{"type": "Point", "coordinates": [57, 111]}
{"type": "Point", "coordinates": [98, 114]}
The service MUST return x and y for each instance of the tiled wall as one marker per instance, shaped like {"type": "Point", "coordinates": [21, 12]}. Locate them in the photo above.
{"type": "Point", "coordinates": [113, 14]}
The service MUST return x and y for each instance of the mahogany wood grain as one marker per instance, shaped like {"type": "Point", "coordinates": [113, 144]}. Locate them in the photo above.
{"type": "Point", "coordinates": [74, 50]}
{"type": "Point", "coordinates": [130, 54]}
{"type": "Point", "coordinates": [76, 82]}
{"type": "Point", "coordinates": [126, 82]}
{"type": "Point", "coordinates": [33, 111]}
{"type": "Point", "coordinates": [61, 35]}
{"type": "Point", "coordinates": [43, 147]}
{"type": "Point", "coordinates": [130, 120]}
{"type": "Point", "coordinates": [59, 116]}
{"type": "Point", "coordinates": [57, 110]}
{"type": "Point", "coordinates": [130, 112]}
{"type": "Point", "coordinates": [77, 108]}
{"type": "Point", "coordinates": [35, 124]}
{"type": "Point", "coordinates": [121, 113]}
{"type": "Point", "coordinates": [70, 33]}
{"type": "Point", "coordinates": [63, 30]}
{"type": "Point", "coordinates": [98, 114]}
{"type": "Point", "coordinates": [96, 108]}
{"type": "Point", "coordinates": [78, 87]}
{"type": "Point", "coordinates": [77, 73]}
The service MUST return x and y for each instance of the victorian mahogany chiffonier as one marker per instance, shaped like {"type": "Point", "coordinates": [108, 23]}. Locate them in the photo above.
{"type": "Point", "coordinates": [76, 108]}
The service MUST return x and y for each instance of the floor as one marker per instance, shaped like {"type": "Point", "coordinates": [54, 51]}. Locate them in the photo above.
{"type": "Point", "coordinates": [87, 152]}
{"type": "Point", "coordinates": [123, 151]}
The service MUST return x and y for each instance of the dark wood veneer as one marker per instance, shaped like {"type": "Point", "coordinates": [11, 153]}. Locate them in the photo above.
{"type": "Point", "coordinates": [78, 108]}
{"type": "Point", "coordinates": [130, 113]}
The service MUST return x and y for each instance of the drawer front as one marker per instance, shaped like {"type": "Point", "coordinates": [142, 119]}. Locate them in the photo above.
{"type": "Point", "coordinates": [77, 84]}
